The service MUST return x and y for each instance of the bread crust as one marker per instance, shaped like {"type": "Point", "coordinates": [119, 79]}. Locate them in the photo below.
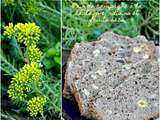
{"type": "Point", "coordinates": [67, 93]}
{"type": "Point", "coordinates": [153, 116]}
{"type": "Point", "coordinates": [92, 113]}
{"type": "Point", "coordinates": [74, 95]}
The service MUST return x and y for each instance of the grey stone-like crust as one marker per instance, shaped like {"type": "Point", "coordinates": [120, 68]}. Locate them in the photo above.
{"type": "Point", "coordinates": [110, 76]}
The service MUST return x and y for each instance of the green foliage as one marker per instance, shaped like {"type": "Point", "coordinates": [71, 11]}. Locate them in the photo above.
{"type": "Point", "coordinates": [33, 31]}
{"type": "Point", "coordinates": [50, 89]}
{"type": "Point", "coordinates": [52, 54]}
{"type": "Point", "coordinates": [151, 17]}
{"type": "Point", "coordinates": [8, 2]}
{"type": "Point", "coordinates": [125, 28]}
{"type": "Point", "coordinates": [53, 91]}
{"type": "Point", "coordinates": [8, 65]}
{"type": "Point", "coordinates": [82, 20]}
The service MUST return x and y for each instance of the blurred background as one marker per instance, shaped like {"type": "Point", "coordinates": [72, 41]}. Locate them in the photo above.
{"type": "Point", "coordinates": [77, 28]}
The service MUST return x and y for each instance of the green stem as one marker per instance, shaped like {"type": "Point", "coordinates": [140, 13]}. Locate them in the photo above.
{"type": "Point", "coordinates": [146, 21]}
{"type": "Point", "coordinates": [19, 50]}
{"type": "Point", "coordinates": [146, 32]}
{"type": "Point", "coordinates": [152, 30]}
{"type": "Point", "coordinates": [9, 65]}
{"type": "Point", "coordinates": [47, 7]}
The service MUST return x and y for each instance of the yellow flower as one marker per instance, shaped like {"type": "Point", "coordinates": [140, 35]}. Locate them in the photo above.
{"type": "Point", "coordinates": [22, 81]}
{"type": "Point", "coordinates": [27, 33]}
{"type": "Point", "coordinates": [35, 105]}
{"type": "Point", "coordinates": [9, 31]}
{"type": "Point", "coordinates": [142, 103]}
{"type": "Point", "coordinates": [34, 54]}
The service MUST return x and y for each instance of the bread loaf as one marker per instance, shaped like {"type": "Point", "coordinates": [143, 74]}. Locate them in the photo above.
{"type": "Point", "coordinates": [98, 71]}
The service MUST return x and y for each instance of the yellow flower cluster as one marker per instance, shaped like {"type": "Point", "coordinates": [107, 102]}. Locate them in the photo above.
{"type": "Point", "coordinates": [27, 33]}
{"type": "Point", "coordinates": [34, 54]}
{"type": "Point", "coordinates": [29, 76]}
{"type": "Point", "coordinates": [9, 30]}
{"type": "Point", "coordinates": [35, 105]}
{"type": "Point", "coordinates": [22, 81]}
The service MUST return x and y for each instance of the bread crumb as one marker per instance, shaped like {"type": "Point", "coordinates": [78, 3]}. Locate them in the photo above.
{"type": "Point", "coordinates": [142, 45]}
{"type": "Point", "coordinates": [156, 104]}
{"type": "Point", "coordinates": [95, 87]}
{"type": "Point", "coordinates": [77, 45]}
{"type": "Point", "coordinates": [137, 49]}
{"type": "Point", "coordinates": [158, 60]}
{"type": "Point", "coordinates": [70, 64]}
{"type": "Point", "coordinates": [96, 52]}
{"type": "Point", "coordinates": [101, 72]}
{"type": "Point", "coordinates": [93, 76]}
{"type": "Point", "coordinates": [146, 56]}
{"type": "Point", "coordinates": [126, 66]}
{"type": "Point", "coordinates": [109, 112]}
{"type": "Point", "coordinates": [153, 96]}
{"type": "Point", "coordinates": [86, 92]}
{"type": "Point", "coordinates": [101, 93]}
{"type": "Point", "coordinates": [104, 48]}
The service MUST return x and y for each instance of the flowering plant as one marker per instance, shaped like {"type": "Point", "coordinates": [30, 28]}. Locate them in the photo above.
{"type": "Point", "coordinates": [30, 36]}
{"type": "Point", "coordinates": [30, 85]}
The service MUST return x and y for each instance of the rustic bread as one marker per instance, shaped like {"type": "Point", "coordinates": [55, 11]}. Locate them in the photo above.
{"type": "Point", "coordinates": [104, 65]}
{"type": "Point", "coordinates": [124, 102]}
{"type": "Point", "coordinates": [86, 94]}
{"type": "Point", "coordinates": [109, 43]}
